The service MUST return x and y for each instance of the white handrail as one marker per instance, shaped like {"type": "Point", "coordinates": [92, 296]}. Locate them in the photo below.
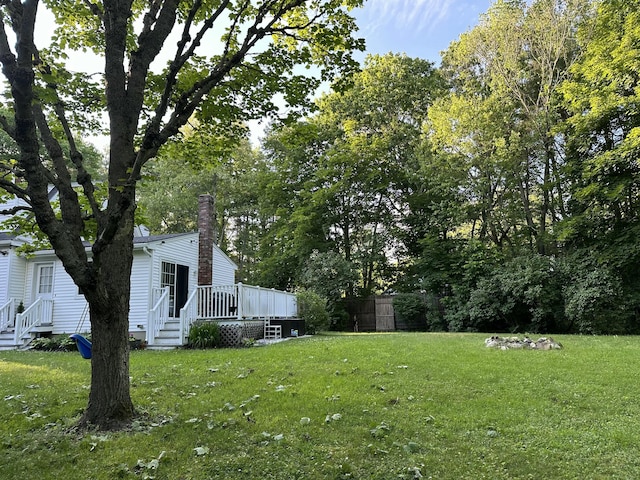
{"type": "Point", "coordinates": [188, 315]}
{"type": "Point", "coordinates": [159, 314]}
{"type": "Point", "coordinates": [7, 315]}
{"type": "Point", "coordinates": [38, 313]}
{"type": "Point", "coordinates": [260, 302]}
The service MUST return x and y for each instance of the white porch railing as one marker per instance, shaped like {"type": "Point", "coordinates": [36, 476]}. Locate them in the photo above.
{"type": "Point", "coordinates": [38, 313]}
{"type": "Point", "coordinates": [258, 302]}
{"type": "Point", "coordinates": [218, 302]}
{"type": "Point", "coordinates": [235, 302]}
{"type": "Point", "coordinates": [8, 315]}
{"type": "Point", "coordinates": [159, 314]}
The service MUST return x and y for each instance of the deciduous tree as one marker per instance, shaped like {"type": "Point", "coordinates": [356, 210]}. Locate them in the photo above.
{"type": "Point", "coordinates": [162, 63]}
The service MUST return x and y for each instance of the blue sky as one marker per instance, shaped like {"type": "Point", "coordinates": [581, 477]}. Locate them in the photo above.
{"type": "Point", "coordinates": [419, 28]}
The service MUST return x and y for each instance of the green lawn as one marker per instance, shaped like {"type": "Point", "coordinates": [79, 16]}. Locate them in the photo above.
{"type": "Point", "coordinates": [368, 406]}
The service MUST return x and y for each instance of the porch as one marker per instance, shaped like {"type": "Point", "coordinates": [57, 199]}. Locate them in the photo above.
{"type": "Point", "coordinates": [242, 311]}
{"type": "Point", "coordinates": [17, 328]}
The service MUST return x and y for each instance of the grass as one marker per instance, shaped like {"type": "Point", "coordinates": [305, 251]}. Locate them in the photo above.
{"type": "Point", "coordinates": [368, 406]}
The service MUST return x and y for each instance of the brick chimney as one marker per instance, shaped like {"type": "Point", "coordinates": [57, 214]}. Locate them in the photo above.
{"type": "Point", "coordinates": [206, 238]}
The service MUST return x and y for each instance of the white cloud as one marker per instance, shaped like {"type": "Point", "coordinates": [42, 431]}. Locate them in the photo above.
{"type": "Point", "coordinates": [421, 16]}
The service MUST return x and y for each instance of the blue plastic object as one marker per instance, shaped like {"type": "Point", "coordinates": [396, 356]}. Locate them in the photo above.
{"type": "Point", "coordinates": [84, 345]}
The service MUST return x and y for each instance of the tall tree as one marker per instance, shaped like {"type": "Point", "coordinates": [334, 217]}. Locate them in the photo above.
{"type": "Point", "coordinates": [604, 127]}
{"type": "Point", "coordinates": [221, 60]}
{"type": "Point", "coordinates": [604, 161]}
{"type": "Point", "coordinates": [363, 144]}
{"type": "Point", "coordinates": [502, 116]}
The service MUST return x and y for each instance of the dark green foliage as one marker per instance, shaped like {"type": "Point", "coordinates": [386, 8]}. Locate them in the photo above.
{"type": "Point", "coordinates": [204, 335]}
{"type": "Point", "coordinates": [597, 299]}
{"type": "Point", "coordinates": [60, 343]}
{"type": "Point", "coordinates": [411, 310]}
{"type": "Point", "coordinates": [312, 308]}
{"type": "Point", "coordinates": [328, 274]}
{"type": "Point", "coordinates": [522, 294]}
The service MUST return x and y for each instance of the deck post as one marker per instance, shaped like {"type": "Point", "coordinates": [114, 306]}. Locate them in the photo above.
{"type": "Point", "coordinates": [240, 300]}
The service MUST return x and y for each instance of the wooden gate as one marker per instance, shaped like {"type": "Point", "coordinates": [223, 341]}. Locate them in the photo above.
{"type": "Point", "coordinates": [371, 314]}
{"type": "Point", "coordinates": [385, 318]}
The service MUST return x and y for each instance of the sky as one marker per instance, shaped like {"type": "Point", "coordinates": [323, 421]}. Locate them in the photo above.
{"type": "Point", "coordinates": [419, 28]}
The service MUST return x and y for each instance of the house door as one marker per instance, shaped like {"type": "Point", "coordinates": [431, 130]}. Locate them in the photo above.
{"type": "Point", "coordinates": [176, 277]}
{"type": "Point", "coordinates": [44, 281]}
{"type": "Point", "coordinates": [182, 287]}
{"type": "Point", "coordinates": [44, 292]}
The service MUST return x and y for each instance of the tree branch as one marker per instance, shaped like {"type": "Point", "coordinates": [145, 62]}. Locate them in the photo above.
{"type": "Point", "coordinates": [13, 189]}
{"type": "Point", "coordinates": [188, 102]}
{"type": "Point", "coordinates": [95, 9]}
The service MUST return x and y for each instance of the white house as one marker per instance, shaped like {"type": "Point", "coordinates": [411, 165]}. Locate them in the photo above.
{"type": "Point", "coordinates": [175, 280]}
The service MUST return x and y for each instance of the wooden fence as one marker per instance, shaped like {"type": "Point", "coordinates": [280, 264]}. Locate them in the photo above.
{"type": "Point", "coordinates": [371, 314]}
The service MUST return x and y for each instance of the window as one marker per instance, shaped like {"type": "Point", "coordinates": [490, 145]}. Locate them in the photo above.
{"type": "Point", "coordinates": [44, 286]}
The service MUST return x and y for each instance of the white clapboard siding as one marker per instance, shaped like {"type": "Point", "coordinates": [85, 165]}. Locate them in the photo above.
{"type": "Point", "coordinates": [4, 273]}
{"type": "Point", "coordinates": [69, 309]}
{"type": "Point", "coordinates": [68, 303]}
{"type": "Point", "coordinates": [17, 276]}
{"type": "Point", "coordinates": [224, 269]}
{"type": "Point", "coordinates": [140, 290]}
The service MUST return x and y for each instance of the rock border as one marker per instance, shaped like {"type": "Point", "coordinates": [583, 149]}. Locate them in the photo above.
{"type": "Point", "coordinates": [515, 343]}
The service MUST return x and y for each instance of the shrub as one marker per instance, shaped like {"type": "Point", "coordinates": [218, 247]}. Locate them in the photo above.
{"type": "Point", "coordinates": [523, 294]}
{"type": "Point", "coordinates": [60, 343]}
{"type": "Point", "coordinates": [312, 308]}
{"type": "Point", "coordinates": [411, 310]}
{"type": "Point", "coordinates": [136, 343]}
{"type": "Point", "coordinates": [204, 335]}
{"type": "Point", "coordinates": [595, 300]}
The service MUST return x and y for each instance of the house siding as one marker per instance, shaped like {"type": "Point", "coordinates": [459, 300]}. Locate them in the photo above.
{"type": "Point", "coordinates": [4, 273]}
{"type": "Point", "coordinates": [224, 270]}
{"type": "Point", "coordinates": [69, 315]}
{"type": "Point", "coordinates": [140, 301]}
{"type": "Point", "coordinates": [181, 251]}
{"type": "Point", "coordinates": [17, 276]}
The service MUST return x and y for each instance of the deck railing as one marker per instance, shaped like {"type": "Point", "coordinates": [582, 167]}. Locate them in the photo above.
{"type": "Point", "coordinates": [258, 302]}
{"type": "Point", "coordinates": [235, 302]}
{"type": "Point", "coordinates": [159, 313]}
{"type": "Point", "coordinates": [38, 313]}
{"type": "Point", "coordinates": [8, 315]}
{"type": "Point", "coordinates": [218, 301]}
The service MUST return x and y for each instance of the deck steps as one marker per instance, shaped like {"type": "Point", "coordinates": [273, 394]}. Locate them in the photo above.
{"type": "Point", "coordinates": [169, 336]}
{"type": "Point", "coordinates": [7, 341]}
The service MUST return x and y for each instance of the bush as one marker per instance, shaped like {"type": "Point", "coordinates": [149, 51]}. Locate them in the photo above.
{"type": "Point", "coordinates": [312, 308]}
{"type": "Point", "coordinates": [204, 335]}
{"type": "Point", "coordinates": [523, 294]}
{"type": "Point", "coordinates": [61, 343]}
{"type": "Point", "coordinates": [595, 300]}
{"type": "Point", "coordinates": [411, 311]}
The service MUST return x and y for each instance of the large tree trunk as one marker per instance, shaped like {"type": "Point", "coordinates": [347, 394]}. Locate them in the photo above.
{"type": "Point", "coordinates": [110, 406]}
